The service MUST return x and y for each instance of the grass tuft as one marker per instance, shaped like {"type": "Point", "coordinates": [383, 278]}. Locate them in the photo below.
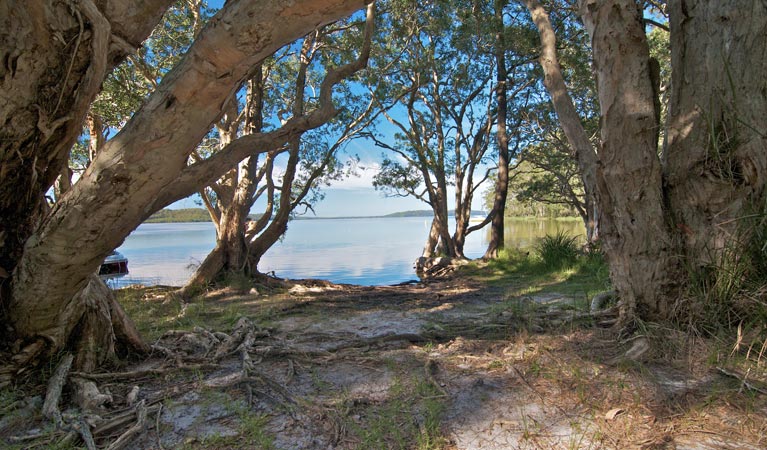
{"type": "Point", "coordinates": [558, 251]}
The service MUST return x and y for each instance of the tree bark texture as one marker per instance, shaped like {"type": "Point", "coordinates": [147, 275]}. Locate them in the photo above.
{"type": "Point", "coordinates": [637, 239]}
{"type": "Point", "coordinates": [144, 167]}
{"type": "Point", "coordinates": [54, 57]}
{"type": "Point", "coordinates": [716, 153]}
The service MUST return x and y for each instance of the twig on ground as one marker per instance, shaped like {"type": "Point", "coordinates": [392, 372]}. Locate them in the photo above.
{"type": "Point", "coordinates": [27, 437]}
{"type": "Point", "coordinates": [535, 391]}
{"type": "Point", "coordinates": [430, 369]}
{"type": "Point", "coordinates": [743, 379]}
{"type": "Point", "coordinates": [157, 427]}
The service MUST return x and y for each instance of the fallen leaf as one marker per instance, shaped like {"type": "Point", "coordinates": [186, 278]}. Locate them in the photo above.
{"type": "Point", "coordinates": [611, 414]}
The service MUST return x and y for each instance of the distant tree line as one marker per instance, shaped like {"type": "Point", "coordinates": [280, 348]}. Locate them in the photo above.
{"type": "Point", "coordinates": [179, 215]}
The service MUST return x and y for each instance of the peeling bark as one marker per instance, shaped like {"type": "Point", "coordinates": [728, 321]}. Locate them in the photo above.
{"type": "Point", "coordinates": [54, 59]}
{"type": "Point", "coordinates": [141, 169]}
{"type": "Point", "coordinates": [637, 239]}
{"type": "Point", "coordinates": [716, 158]}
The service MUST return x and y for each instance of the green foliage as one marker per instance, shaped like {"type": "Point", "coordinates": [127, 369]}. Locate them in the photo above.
{"type": "Point", "coordinates": [439, 95]}
{"type": "Point", "coordinates": [558, 251]}
{"type": "Point", "coordinates": [126, 88]}
{"type": "Point", "coordinates": [553, 192]}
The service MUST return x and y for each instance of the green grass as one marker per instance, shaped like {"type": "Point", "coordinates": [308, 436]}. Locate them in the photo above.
{"type": "Point", "coordinates": [522, 273]}
{"type": "Point", "coordinates": [409, 418]}
{"type": "Point", "coordinates": [728, 291]}
{"type": "Point", "coordinates": [155, 316]}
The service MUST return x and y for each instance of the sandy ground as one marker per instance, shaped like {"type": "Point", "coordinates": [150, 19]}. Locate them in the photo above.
{"type": "Point", "coordinates": [453, 365]}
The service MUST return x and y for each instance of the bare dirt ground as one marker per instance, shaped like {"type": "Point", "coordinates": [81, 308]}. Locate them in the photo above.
{"type": "Point", "coordinates": [455, 364]}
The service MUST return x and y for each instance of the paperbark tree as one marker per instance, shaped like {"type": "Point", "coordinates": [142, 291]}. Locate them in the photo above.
{"type": "Point", "coordinates": [311, 160]}
{"type": "Point", "coordinates": [638, 240]}
{"type": "Point", "coordinates": [501, 188]}
{"type": "Point", "coordinates": [662, 222]}
{"type": "Point", "coordinates": [57, 58]}
{"type": "Point", "coordinates": [444, 123]}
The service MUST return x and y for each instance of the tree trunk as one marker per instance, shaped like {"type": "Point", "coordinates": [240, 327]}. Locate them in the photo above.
{"type": "Point", "coordinates": [638, 242]}
{"type": "Point", "coordinates": [568, 116]}
{"type": "Point", "coordinates": [258, 247]}
{"type": "Point", "coordinates": [54, 60]}
{"type": "Point", "coordinates": [430, 248]}
{"type": "Point", "coordinates": [139, 171]}
{"type": "Point", "coordinates": [501, 190]}
{"type": "Point", "coordinates": [716, 163]}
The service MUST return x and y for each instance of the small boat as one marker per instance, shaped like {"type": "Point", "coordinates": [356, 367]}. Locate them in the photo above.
{"type": "Point", "coordinates": [114, 266]}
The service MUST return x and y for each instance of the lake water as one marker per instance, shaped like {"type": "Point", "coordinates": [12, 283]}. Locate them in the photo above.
{"type": "Point", "coordinates": [366, 251]}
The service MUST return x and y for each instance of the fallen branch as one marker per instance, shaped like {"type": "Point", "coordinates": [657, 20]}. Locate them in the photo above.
{"type": "Point", "coordinates": [138, 427]}
{"type": "Point", "coordinates": [743, 380]}
{"type": "Point", "coordinates": [376, 340]}
{"type": "Point", "coordinates": [27, 437]}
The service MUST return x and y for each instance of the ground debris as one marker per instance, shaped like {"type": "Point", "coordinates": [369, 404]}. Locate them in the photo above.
{"type": "Point", "coordinates": [452, 364]}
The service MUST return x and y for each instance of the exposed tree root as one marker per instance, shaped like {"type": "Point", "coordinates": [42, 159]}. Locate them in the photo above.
{"type": "Point", "coordinates": [88, 396]}
{"type": "Point", "coordinates": [113, 425]}
{"type": "Point", "coordinates": [750, 385]}
{"type": "Point", "coordinates": [144, 373]}
{"type": "Point", "coordinates": [55, 385]}
{"type": "Point", "coordinates": [84, 430]}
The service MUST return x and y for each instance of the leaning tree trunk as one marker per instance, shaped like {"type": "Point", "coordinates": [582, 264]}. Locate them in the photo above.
{"type": "Point", "coordinates": [143, 168]}
{"type": "Point", "coordinates": [716, 156]}
{"type": "Point", "coordinates": [569, 119]}
{"type": "Point", "coordinates": [638, 241]}
{"type": "Point", "coordinates": [54, 58]}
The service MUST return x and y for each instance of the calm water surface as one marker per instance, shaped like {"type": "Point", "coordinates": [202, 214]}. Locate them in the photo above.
{"type": "Point", "coordinates": [368, 251]}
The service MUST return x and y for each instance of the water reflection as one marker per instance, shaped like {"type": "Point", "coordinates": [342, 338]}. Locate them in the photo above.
{"type": "Point", "coordinates": [370, 251]}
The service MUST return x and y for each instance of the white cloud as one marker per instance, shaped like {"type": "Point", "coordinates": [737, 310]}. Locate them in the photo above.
{"type": "Point", "coordinates": [364, 172]}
